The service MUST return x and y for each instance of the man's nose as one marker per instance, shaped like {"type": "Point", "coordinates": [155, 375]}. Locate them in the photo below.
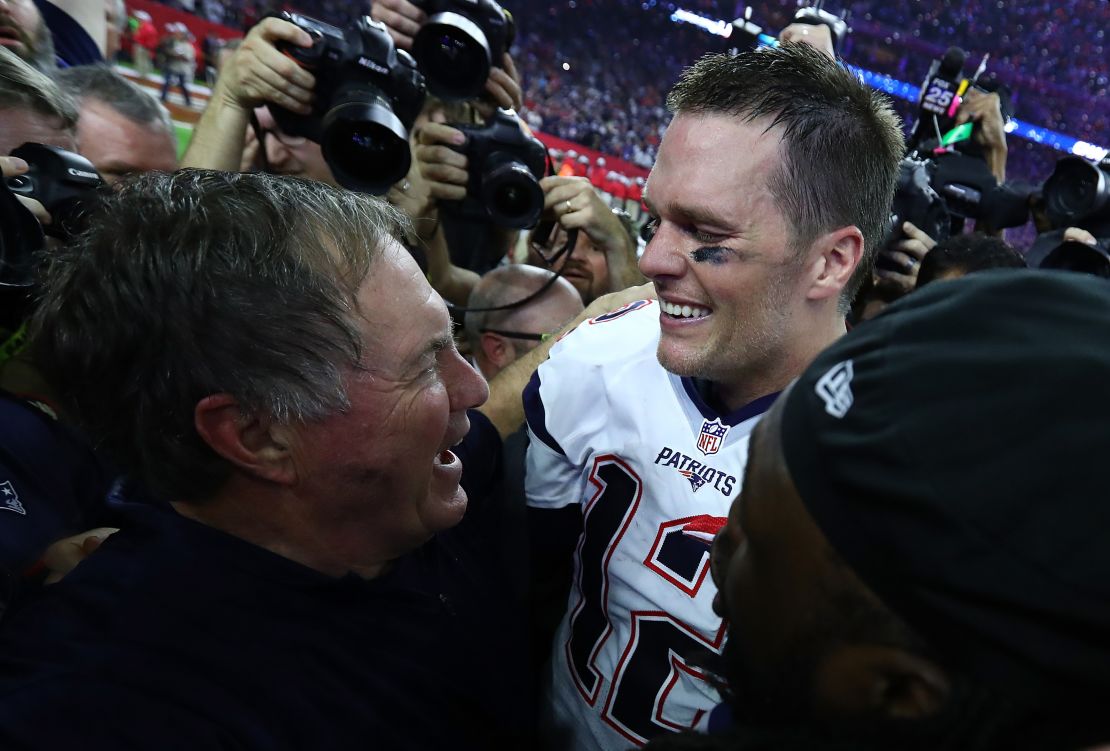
{"type": "Point", "coordinates": [277, 153]}
{"type": "Point", "coordinates": [661, 257]}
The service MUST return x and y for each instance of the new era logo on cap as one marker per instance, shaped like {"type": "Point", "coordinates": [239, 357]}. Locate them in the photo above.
{"type": "Point", "coordinates": [835, 389]}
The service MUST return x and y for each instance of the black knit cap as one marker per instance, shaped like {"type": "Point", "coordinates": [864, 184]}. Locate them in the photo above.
{"type": "Point", "coordinates": [955, 451]}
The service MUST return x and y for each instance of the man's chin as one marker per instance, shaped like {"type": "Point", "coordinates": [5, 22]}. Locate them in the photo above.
{"type": "Point", "coordinates": [682, 364]}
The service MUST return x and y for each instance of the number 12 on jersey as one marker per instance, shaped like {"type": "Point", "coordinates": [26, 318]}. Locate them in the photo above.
{"type": "Point", "coordinates": [661, 646]}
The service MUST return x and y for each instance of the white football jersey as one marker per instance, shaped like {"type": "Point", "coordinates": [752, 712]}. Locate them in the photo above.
{"type": "Point", "coordinates": [655, 470]}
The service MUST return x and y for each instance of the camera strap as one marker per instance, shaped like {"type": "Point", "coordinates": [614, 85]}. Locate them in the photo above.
{"type": "Point", "coordinates": [567, 250]}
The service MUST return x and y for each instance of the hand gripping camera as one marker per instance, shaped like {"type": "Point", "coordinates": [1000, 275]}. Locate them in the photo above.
{"type": "Point", "coordinates": [368, 93]}
{"type": "Point", "coordinates": [459, 43]}
{"type": "Point", "coordinates": [505, 165]}
{"type": "Point", "coordinates": [62, 182]}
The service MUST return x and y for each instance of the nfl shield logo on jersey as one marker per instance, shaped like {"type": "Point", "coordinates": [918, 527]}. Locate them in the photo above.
{"type": "Point", "coordinates": [712, 434]}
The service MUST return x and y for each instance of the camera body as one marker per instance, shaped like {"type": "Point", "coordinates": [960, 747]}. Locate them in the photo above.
{"type": "Point", "coordinates": [62, 182]}
{"type": "Point", "coordinates": [58, 179]}
{"type": "Point", "coordinates": [459, 43]}
{"type": "Point", "coordinates": [505, 165]}
{"type": "Point", "coordinates": [1076, 195]}
{"type": "Point", "coordinates": [368, 93]}
{"type": "Point", "coordinates": [916, 201]}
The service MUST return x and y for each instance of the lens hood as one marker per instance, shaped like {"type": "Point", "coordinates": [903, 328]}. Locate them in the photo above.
{"type": "Point", "coordinates": [512, 196]}
{"type": "Point", "coordinates": [365, 144]}
{"type": "Point", "coordinates": [454, 55]}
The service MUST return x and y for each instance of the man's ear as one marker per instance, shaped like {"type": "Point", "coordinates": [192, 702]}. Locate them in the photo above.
{"type": "Point", "coordinates": [864, 682]}
{"type": "Point", "coordinates": [255, 445]}
{"type": "Point", "coordinates": [840, 252]}
{"type": "Point", "coordinates": [498, 350]}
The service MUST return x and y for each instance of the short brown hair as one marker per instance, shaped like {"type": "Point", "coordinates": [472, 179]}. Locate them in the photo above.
{"type": "Point", "coordinates": [842, 142]}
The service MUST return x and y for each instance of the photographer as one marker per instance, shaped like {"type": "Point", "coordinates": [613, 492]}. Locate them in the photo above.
{"type": "Point", "coordinates": [403, 20]}
{"type": "Point", "coordinates": [121, 129]}
{"type": "Point", "coordinates": [51, 483]}
{"type": "Point", "coordinates": [980, 161]}
{"type": "Point", "coordinates": [33, 109]}
{"type": "Point", "coordinates": [603, 258]}
{"type": "Point", "coordinates": [256, 74]}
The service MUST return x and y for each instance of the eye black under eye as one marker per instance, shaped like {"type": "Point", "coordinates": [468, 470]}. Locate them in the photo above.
{"type": "Point", "coordinates": [712, 255]}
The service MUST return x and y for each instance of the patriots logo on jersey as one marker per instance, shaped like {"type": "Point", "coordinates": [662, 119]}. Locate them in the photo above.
{"type": "Point", "coordinates": [696, 480]}
{"type": "Point", "coordinates": [712, 434]}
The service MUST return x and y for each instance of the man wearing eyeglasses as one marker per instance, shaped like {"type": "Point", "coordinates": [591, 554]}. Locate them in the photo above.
{"type": "Point", "coordinates": [498, 337]}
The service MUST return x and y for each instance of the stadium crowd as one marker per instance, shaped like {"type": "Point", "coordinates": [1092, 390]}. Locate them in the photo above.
{"type": "Point", "coordinates": [617, 108]}
{"type": "Point", "coordinates": [370, 421]}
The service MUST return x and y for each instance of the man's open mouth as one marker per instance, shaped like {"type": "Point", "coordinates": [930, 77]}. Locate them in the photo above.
{"type": "Point", "coordinates": [683, 311]}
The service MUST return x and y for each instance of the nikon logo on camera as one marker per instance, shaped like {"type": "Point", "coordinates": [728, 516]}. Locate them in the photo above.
{"type": "Point", "coordinates": [377, 68]}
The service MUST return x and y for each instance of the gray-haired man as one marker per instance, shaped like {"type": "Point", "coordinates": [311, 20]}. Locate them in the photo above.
{"type": "Point", "coordinates": [279, 381]}
{"type": "Point", "coordinates": [122, 129]}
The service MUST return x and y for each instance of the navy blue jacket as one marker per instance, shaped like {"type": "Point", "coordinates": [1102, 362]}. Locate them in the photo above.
{"type": "Point", "coordinates": [175, 635]}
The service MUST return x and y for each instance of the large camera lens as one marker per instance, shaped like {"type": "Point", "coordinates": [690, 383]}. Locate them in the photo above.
{"type": "Point", "coordinates": [1076, 190]}
{"type": "Point", "coordinates": [1077, 256]}
{"type": "Point", "coordinates": [454, 55]}
{"type": "Point", "coordinates": [512, 195]}
{"type": "Point", "coordinates": [364, 142]}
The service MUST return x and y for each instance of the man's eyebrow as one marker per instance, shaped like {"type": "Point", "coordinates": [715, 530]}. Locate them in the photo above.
{"type": "Point", "coordinates": [442, 342]}
{"type": "Point", "coordinates": [697, 215]}
{"type": "Point", "coordinates": [418, 359]}
{"type": "Point", "coordinates": [703, 217]}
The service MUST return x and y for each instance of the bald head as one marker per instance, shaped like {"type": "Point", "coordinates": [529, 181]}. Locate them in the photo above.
{"type": "Point", "coordinates": [503, 286]}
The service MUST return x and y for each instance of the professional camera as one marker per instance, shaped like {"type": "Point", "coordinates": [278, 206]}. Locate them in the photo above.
{"type": "Point", "coordinates": [63, 182]}
{"type": "Point", "coordinates": [916, 201]}
{"type": "Point", "coordinates": [1076, 195]}
{"type": "Point", "coordinates": [459, 43]}
{"type": "Point", "coordinates": [368, 93]}
{"type": "Point", "coordinates": [505, 165]}
{"type": "Point", "coordinates": [58, 179]}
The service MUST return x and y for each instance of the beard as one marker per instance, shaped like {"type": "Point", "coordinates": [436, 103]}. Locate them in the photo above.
{"type": "Point", "coordinates": [38, 46]}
